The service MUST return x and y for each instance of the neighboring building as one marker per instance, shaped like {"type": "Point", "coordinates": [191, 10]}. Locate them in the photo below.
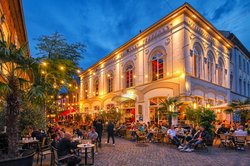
{"type": "Point", "coordinates": [69, 99]}
{"type": "Point", "coordinates": [239, 69]}
{"type": "Point", "coordinates": [180, 55]}
{"type": "Point", "coordinates": [12, 25]}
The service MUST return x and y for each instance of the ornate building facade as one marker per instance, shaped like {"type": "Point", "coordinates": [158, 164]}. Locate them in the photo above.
{"type": "Point", "coordinates": [180, 55]}
{"type": "Point", "coordinates": [12, 24]}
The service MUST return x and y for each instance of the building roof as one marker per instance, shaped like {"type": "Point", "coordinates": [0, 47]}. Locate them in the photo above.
{"type": "Point", "coordinates": [232, 37]}
{"type": "Point", "coordinates": [185, 8]}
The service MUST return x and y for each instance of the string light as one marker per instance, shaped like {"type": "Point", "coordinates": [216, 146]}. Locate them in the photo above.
{"type": "Point", "coordinates": [44, 64]}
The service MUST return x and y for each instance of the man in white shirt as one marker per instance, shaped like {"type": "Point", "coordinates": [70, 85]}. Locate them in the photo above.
{"type": "Point", "coordinates": [172, 134]}
{"type": "Point", "coordinates": [240, 132]}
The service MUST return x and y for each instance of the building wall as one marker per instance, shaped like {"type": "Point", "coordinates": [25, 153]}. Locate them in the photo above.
{"type": "Point", "coordinates": [239, 75]}
{"type": "Point", "coordinates": [12, 23]}
{"type": "Point", "coordinates": [175, 40]}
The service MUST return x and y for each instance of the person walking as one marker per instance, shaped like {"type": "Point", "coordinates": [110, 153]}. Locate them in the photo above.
{"type": "Point", "coordinates": [99, 129]}
{"type": "Point", "coordinates": [110, 131]}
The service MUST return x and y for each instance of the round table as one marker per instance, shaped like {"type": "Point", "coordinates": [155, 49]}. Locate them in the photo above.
{"type": "Point", "coordinates": [86, 147]}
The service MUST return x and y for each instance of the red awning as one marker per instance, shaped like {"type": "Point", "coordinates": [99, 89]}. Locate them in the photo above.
{"type": "Point", "coordinates": [67, 112]}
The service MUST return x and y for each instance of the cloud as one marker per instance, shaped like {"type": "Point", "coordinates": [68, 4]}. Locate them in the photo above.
{"type": "Point", "coordinates": [104, 25]}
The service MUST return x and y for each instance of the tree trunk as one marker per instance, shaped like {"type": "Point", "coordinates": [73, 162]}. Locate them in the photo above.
{"type": "Point", "coordinates": [169, 120]}
{"type": "Point", "coordinates": [12, 117]}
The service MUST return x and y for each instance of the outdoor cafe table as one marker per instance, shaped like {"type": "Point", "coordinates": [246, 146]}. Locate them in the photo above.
{"type": "Point", "coordinates": [86, 147]}
{"type": "Point", "coordinates": [28, 141]}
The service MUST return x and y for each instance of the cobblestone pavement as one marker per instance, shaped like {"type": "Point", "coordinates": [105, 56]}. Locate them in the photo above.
{"type": "Point", "coordinates": [128, 153]}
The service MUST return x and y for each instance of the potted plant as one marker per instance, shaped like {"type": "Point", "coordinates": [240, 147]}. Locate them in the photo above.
{"type": "Point", "coordinates": [203, 117]}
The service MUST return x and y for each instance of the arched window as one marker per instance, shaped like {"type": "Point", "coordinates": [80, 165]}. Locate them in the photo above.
{"type": "Point", "coordinates": [129, 75]}
{"type": "Point", "coordinates": [96, 87]}
{"type": "Point", "coordinates": [157, 66]}
{"type": "Point", "coordinates": [197, 60]}
{"type": "Point", "coordinates": [210, 66]}
{"type": "Point", "coordinates": [110, 82]}
{"type": "Point", "coordinates": [220, 72]}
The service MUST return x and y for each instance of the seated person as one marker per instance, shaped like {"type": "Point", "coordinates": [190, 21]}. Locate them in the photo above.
{"type": "Point", "coordinates": [66, 147]}
{"type": "Point", "coordinates": [121, 128]}
{"type": "Point", "coordinates": [240, 132]}
{"type": "Point", "coordinates": [200, 137]}
{"type": "Point", "coordinates": [92, 135]}
{"type": "Point", "coordinates": [151, 132]}
{"type": "Point", "coordinates": [180, 133]}
{"type": "Point", "coordinates": [79, 133]}
{"type": "Point", "coordinates": [191, 133]}
{"type": "Point", "coordinates": [55, 140]}
{"type": "Point", "coordinates": [36, 133]}
{"type": "Point", "coordinates": [172, 134]}
{"type": "Point", "coordinates": [163, 129]}
{"type": "Point", "coordinates": [222, 129]}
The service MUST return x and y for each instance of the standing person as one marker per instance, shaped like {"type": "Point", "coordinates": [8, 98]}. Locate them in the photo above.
{"type": "Point", "coordinates": [110, 131]}
{"type": "Point", "coordinates": [99, 129]}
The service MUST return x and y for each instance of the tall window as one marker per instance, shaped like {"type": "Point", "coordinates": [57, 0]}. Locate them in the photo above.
{"type": "Point", "coordinates": [96, 87]}
{"type": "Point", "coordinates": [129, 76]}
{"type": "Point", "coordinates": [240, 62]}
{"type": "Point", "coordinates": [245, 88]}
{"type": "Point", "coordinates": [110, 82]}
{"type": "Point", "coordinates": [220, 72]}
{"type": "Point", "coordinates": [157, 66]}
{"type": "Point", "coordinates": [231, 81]}
{"type": "Point", "coordinates": [86, 88]}
{"type": "Point", "coordinates": [240, 86]}
{"type": "Point", "coordinates": [197, 60]}
{"type": "Point", "coordinates": [248, 89]}
{"type": "Point", "coordinates": [210, 66]}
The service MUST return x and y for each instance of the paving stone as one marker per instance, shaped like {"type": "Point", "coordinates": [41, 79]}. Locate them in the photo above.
{"type": "Point", "coordinates": [126, 153]}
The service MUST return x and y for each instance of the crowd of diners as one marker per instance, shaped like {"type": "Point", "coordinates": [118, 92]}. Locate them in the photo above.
{"type": "Point", "coordinates": [185, 137]}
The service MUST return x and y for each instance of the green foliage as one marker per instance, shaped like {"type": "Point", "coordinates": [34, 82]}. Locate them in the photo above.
{"type": "Point", "coordinates": [78, 117]}
{"type": "Point", "coordinates": [56, 47]}
{"type": "Point", "coordinates": [88, 118]}
{"type": "Point", "coordinates": [112, 114]}
{"type": "Point", "coordinates": [2, 118]}
{"type": "Point", "coordinates": [201, 116]}
{"type": "Point", "coordinates": [165, 107]}
{"type": "Point", "coordinates": [33, 118]}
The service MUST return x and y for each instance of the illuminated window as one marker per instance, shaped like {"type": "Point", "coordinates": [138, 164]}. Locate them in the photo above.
{"type": "Point", "coordinates": [198, 100]}
{"type": "Point", "coordinates": [157, 66]}
{"type": "Point", "coordinates": [210, 66]}
{"type": "Point", "coordinates": [96, 87]}
{"type": "Point", "coordinates": [110, 106]}
{"type": "Point", "coordinates": [110, 82]}
{"type": "Point", "coordinates": [220, 72]}
{"type": "Point", "coordinates": [197, 60]}
{"type": "Point", "coordinates": [129, 76]}
{"type": "Point", "coordinates": [86, 88]}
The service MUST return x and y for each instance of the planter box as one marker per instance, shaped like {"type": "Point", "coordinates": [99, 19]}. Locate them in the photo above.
{"type": "Point", "coordinates": [26, 160]}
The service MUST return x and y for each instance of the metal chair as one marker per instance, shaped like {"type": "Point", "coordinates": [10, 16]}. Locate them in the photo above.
{"type": "Point", "coordinates": [42, 151]}
{"type": "Point", "coordinates": [62, 160]}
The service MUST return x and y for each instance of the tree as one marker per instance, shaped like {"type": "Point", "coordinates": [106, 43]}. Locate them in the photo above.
{"type": "Point", "coordinates": [168, 107]}
{"type": "Point", "coordinates": [58, 64]}
{"type": "Point", "coordinates": [15, 79]}
{"type": "Point", "coordinates": [242, 108]}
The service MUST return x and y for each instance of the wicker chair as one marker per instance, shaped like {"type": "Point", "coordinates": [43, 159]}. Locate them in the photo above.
{"type": "Point", "coordinates": [240, 141]}
{"type": "Point", "coordinates": [224, 140]}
